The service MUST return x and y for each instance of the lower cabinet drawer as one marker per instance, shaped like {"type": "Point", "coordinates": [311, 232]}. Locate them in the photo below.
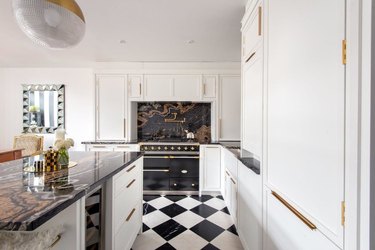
{"type": "Point", "coordinates": [125, 201]}
{"type": "Point", "coordinates": [129, 229]}
{"type": "Point", "coordinates": [184, 184]}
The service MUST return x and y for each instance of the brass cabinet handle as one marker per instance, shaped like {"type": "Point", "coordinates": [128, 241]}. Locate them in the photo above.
{"type": "Point", "coordinates": [130, 169]}
{"type": "Point", "coordinates": [204, 89]}
{"type": "Point", "coordinates": [140, 89]}
{"type": "Point", "coordinates": [58, 238]}
{"type": "Point", "coordinates": [99, 146]}
{"type": "Point", "coordinates": [131, 183]}
{"type": "Point", "coordinates": [227, 173]}
{"type": "Point", "coordinates": [295, 211]}
{"type": "Point", "coordinates": [130, 215]}
{"type": "Point", "coordinates": [232, 180]}
{"type": "Point", "coordinates": [156, 170]}
{"type": "Point", "coordinates": [251, 56]}
{"type": "Point", "coordinates": [260, 21]}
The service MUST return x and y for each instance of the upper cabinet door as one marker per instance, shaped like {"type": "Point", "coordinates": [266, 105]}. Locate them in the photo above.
{"type": "Point", "coordinates": [135, 83]}
{"type": "Point", "coordinates": [252, 96]}
{"type": "Point", "coordinates": [111, 122]}
{"type": "Point", "coordinates": [230, 108]}
{"type": "Point", "coordinates": [252, 34]}
{"type": "Point", "coordinates": [187, 87]}
{"type": "Point", "coordinates": [158, 87]}
{"type": "Point", "coordinates": [209, 86]}
{"type": "Point", "coordinates": [306, 109]}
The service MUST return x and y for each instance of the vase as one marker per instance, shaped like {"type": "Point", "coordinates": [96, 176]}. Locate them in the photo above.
{"type": "Point", "coordinates": [63, 158]}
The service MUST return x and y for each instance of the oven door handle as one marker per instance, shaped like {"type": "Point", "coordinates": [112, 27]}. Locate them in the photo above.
{"type": "Point", "coordinates": [171, 157]}
{"type": "Point", "coordinates": [156, 170]}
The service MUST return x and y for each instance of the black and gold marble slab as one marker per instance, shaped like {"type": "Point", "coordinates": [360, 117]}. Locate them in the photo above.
{"type": "Point", "coordinates": [27, 200]}
{"type": "Point", "coordinates": [170, 120]}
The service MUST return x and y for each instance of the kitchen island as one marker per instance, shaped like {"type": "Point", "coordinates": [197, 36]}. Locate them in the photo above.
{"type": "Point", "coordinates": [36, 201]}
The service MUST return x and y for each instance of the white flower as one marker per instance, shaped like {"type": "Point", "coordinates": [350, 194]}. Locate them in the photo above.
{"type": "Point", "coordinates": [68, 143]}
{"type": "Point", "coordinates": [59, 144]}
{"type": "Point", "coordinates": [60, 134]}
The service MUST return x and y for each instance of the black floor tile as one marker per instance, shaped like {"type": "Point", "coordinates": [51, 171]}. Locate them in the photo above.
{"type": "Point", "coordinates": [220, 197]}
{"type": "Point", "coordinates": [144, 228]}
{"type": "Point", "coordinates": [166, 246]}
{"type": "Point", "coordinates": [233, 230]}
{"type": "Point", "coordinates": [203, 198]}
{"type": "Point", "coordinates": [210, 247]}
{"type": "Point", "coordinates": [173, 210]}
{"type": "Point", "coordinates": [150, 197]}
{"type": "Point", "coordinates": [169, 229]}
{"type": "Point", "coordinates": [147, 208]}
{"type": "Point", "coordinates": [175, 198]}
{"type": "Point", "coordinates": [225, 210]}
{"type": "Point", "coordinates": [207, 230]}
{"type": "Point", "coordinates": [204, 210]}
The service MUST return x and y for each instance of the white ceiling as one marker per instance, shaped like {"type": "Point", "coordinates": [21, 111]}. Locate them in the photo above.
{"type": "Point", "coordinates": [154, 30]}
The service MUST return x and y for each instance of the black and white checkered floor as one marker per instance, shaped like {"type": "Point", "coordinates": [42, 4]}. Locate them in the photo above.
{"type": "Point", "coordinates": [186, 222]}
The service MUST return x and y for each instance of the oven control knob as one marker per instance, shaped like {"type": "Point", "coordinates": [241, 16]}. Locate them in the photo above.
{"type": "Point", "coordinates": [192, 148]}
{"type": "Point", "coordinates": [172, 148]}
{"type": "Point", "coordinates": [152, 148]}
{"type": "Point", "coordinates": [184, 171]}
{"type": "Point", "coordinates": [159, 148]}
{"type": "Point", "coordinates": [179, 148]}
{"type": "Point", "coordinates": [146, 148]}
{"type": "Point", "coordinates": [186, 148]}
{"type": "Point", "coordinates": [165, 148]}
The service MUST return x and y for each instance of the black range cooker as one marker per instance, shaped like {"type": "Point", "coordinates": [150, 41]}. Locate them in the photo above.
{"type": "Point", "coordinates": [170, 167]}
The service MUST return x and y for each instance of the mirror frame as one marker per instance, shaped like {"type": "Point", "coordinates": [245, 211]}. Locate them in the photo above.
{"type": "Point", "coordinates": [60, 107]}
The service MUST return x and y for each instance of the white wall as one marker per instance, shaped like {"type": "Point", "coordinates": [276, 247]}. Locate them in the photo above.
{"type": "Point", "coordinates": [79, 101]}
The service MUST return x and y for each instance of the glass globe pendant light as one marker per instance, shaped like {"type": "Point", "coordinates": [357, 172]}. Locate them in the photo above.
{"type": "Point", "coordinates": [56, 24]}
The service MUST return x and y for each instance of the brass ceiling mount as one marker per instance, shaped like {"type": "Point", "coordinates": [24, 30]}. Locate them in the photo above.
{"type": "Point", "coordinates": [69, 5]}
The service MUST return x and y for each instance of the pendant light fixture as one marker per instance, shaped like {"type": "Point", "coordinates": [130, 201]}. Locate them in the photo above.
{"type": "Point", "coordinates": [56, 24]}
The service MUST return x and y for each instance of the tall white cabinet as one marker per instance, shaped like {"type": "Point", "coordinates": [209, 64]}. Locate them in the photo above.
{"type": "Point", "coordinates": [293, 82]}
{"type": "Point", "coordinates": [111, 109]}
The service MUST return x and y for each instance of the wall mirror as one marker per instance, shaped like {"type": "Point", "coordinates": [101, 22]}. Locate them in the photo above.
{"type": "Point", "coordinates": [43, 108]}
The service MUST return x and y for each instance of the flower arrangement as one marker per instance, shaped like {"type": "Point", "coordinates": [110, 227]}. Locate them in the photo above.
{"type": "Point", "coordinates": [62, 145]}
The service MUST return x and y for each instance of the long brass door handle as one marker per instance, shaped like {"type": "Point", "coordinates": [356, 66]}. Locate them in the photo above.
{"type": "Point", "coordinates": [260, 21]}
{"type": "Point", "coordinates": [131, 183]}
{"type": "Point", "coordinates": [130, 169]}
{"type": "Point", "coordinates": [300, 216]}
{"type": "Point", "coordinates": [130, 215]}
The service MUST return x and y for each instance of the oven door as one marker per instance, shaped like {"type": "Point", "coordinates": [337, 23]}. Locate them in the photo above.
{"type": "Point", "coordinates": [156, 173]}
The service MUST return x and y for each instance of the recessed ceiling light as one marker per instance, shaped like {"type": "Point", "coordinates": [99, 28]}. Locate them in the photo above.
{"type": "Point", "coordinates": [122, 41]}
{"type": "Point", "coordinates": [190, 42]}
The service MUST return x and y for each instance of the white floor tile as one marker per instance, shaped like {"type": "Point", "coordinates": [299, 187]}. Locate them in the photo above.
{"type": "Point", "coordinates": [216, 203]}
{"type": "Point", "coordinates": [227, 240]}
{"type": "Point", "coordinates": [160, 202]}
{"type": "Point", "coordinates": [221, 219]}
{"type": "Point", "coordinates": [188, 240]}
{"type": "Point", "coordinates": [188, 219]}
{"type": "Point", "coordinates": [149, 240]}
{"type": "Point", "coordinates": [155, 218]}
{"type": "Point", "coordinates": [188, 203]}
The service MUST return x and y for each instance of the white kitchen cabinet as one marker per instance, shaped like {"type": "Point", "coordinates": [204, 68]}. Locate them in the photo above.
{"type": "Point", "coordinates": [210, 86]}
{"type": "Point", "coordinates": [135, 83]}
{"type": "Point", "coordinates": [252, 101]}
{"type": "Point", "coordinates": [187, 87]}
{"type": "Point", "coordinates": [252, 33]}
{"type": "Point", "coordinates": [73, 221]}
{"type": "Point", "coordinates": [229, 126]}
{"type": "Point", "coordinates": [210, 168]}
{"type": "Point", "coordinates": [124, 207]}
{"type": "Point", "coordinates": [111, 93]}
{"type": "Point", "coordinates": [250, 226]}
{"type": "Point", "coordinates": [112, 147]}
{"type": "Point", "coordinates": [158, 87]}
{"type": "Point", "coordinates": [285, 231]}
{"type": "Point", "coordinates": [306, 115]}
{"type": "Point", "coordinates": [230, 196]}
{"type": "Point", "coordinates": [172, 87]}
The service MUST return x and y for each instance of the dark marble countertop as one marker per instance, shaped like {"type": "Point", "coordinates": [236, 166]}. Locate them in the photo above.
{"type": "Point", "coordinates": [252, 164]}
{"type": "Point", "coordinates": [28, 200]}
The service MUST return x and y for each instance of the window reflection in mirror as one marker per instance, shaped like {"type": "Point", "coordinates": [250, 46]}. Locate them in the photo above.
{"type": "Point", "coordinates": [43, 108]}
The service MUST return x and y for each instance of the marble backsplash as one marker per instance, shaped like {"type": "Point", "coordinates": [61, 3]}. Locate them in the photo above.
{"type": "Point", "coordinates": [170, 121]}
